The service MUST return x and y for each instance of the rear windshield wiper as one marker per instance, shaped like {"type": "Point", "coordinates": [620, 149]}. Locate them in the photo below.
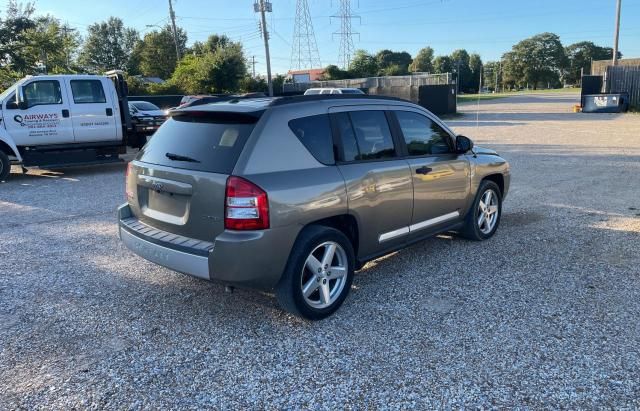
{"type": "Point", "coordinates": [178, 157]}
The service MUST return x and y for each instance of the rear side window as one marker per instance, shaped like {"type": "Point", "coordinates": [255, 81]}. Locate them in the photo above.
{"type": "Point", "coordinates": [315, 133]}
{"type": "Point", "coordinates": [372, 135]}
{"type": "Point", "coordinates": [87, 91]}
{"type": "Point", "coordinates": [200, 141]}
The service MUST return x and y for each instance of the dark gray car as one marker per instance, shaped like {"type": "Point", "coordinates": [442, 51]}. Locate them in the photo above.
{"type": "Point", "coordinates": [293, 194]}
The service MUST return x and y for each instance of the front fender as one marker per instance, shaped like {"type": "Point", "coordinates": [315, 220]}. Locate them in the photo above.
{"type": "Point", "coordinates": [6, 138]}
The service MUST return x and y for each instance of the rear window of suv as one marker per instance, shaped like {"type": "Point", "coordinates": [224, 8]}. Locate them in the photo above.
{"type": "Point", "coordinates": [315, 133]}
{"type": "Point", "coordinates": [201, 141]}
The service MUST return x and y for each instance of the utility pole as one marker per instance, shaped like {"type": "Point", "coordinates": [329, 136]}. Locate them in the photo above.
{"type": "Point", "coordinates": [253, 65]}
{"type": "Point", "coordinates": [263, 6]}
{"type": "Point", "coordinates": [617, 34]}
{"type": "Point", "coordinates": [66, 29]}
{"type": "Point", "coordinates": [172, 14]}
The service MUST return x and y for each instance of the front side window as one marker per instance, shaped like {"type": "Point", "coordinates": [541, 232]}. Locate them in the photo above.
{"type": "Point", "coordinates": [315, 133]}
{"type": "Point", "coordinates": [372, 135]}
{"type": "Point", "coordinates": [422, 135]}
{"type": "Point", "coordinates": [87, 91]}
{"type": "Point", "coordinates": [42, 92]}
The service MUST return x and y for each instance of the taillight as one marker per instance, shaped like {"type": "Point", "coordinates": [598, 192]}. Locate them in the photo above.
{"type": "Point", "coordinates": [246, 206]}
{"type": "Point", "coordinates": [127, 191]}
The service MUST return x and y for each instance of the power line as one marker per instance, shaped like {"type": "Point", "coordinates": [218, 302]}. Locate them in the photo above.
{"type": "Point", "coordinates": [346, 35]}
{"type": "Point", "coordinates": [304, 51]}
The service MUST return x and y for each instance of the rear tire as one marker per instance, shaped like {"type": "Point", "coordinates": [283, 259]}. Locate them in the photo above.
{"type": "Point", "coordinates": [5, 166]}
{"type": "Point", "coordinates": [318, 275]}
{"type": "Point", "coordinates": [483, 218]}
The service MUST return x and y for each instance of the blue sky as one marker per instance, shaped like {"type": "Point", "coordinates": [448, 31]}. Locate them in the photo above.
{"type": "Point", "coordinates": [487, 27]}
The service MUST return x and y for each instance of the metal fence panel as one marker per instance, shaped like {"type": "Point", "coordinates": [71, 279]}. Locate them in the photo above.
{"type": "Point", "coordinates": [621, 79]}
{"type": "Point", "coordinates": [373, 82]}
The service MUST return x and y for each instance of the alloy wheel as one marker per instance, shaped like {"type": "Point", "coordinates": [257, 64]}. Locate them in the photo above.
{"type": "Point", "coordinates": [324, 275]}
{"type": "Point", "coordinates": [487, 213]}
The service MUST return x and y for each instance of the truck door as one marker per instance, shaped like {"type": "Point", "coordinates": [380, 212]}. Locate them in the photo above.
{"type": "Point", "coordinates": [45, 118]}
{"type": "Point", "coordinates": [92, 111]}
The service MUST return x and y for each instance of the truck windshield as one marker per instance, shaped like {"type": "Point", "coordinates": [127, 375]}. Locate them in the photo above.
{"type": "Point", "coordinates": [200, 141]}
{"type": "Point", "coordinates": [145, 106]}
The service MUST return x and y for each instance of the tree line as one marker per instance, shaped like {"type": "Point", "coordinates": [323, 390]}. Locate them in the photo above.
{"type": "Point", "coordinates": [540, 61]}
{"type": "Point", "coordinates": [33, 44]}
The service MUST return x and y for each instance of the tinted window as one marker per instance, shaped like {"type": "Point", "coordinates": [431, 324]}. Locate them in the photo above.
{"type": "Point", "coordinates": [372, 135]}
{"type": "Point", "coordinates": [315, 133]}
{"type": "Point", "coordinates": [423, 136]}
{"type": "Point", "coordinates": [145, 106]}
{"type": "Point", "coordinates": [42, 92]}
{"type": "Point", "coordinates": [348, 137]}
{"type": "Point", "coordinates": [87, 91]}
{"type": "Point", "coordinates": [213, 141]}
{"type": "Point", "coordinates": [351, 91]}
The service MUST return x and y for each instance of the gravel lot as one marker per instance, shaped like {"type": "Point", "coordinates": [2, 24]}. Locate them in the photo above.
{"type": "Point", "coordinates": [544, 315]}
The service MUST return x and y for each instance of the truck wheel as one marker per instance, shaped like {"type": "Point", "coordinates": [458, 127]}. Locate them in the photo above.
{"type": "Point", "coordinates": [483, 218]}
{"type": "Point", "coordinates": [5, 166]}
{"type": "Point", "coordinates": [318, 275]}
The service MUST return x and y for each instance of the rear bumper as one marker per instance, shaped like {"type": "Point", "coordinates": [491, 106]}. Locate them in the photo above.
{"type": "Point", "coordinates": [251, 259]}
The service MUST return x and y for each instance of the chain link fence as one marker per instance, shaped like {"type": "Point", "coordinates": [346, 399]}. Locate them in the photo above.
{"type": "Point", "coordinates": [374, 82]}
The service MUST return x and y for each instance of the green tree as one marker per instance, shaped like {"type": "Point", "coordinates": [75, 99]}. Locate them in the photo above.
{"type": "Point", "coordinates": [537, 61]}
{"type": "Point", "coordinates": [109, 45]}
{"type": "Point", "coordinates": [51, 46]}
{"type": "Point", "coordinates": [157, 52]}
{"type": "Point", "coordinates": [460, 63]}
{"type": "Point", "coordinates": [14, 28]}
{"type": "Point", "coordinates": [423, 61]}
{"type": "Point", "coordinates": [393, 63]}
{"type": "Point", "coordinates": [212, 72]}
{"type": "Point", "coordinates": [492, 75]}
{"type": "Point", "coordinates": [363, 65]}
{"type": "Point", "coordinates": [442, 64]}
{"type": "Point", "coordinates": [333, 72]}
{"type": "Point", "coordinates": [579, 57]}
{"type": "Point", "coordinates": [475, 66]}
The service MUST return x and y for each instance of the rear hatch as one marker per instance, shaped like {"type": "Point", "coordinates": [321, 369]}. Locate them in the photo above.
{"type": "Point", "coordinates": [177, 182]}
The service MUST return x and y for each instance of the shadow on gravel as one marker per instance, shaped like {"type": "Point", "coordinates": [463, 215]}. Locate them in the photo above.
{"type": "Point", "coordinates": [69, 172]}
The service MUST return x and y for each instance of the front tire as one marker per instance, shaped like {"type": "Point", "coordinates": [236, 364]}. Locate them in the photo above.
{"type": "Point", "coordinates": [5, 166]}
{"type": "Point", "coordinates": [484, 216]}
{"type": "Point", "coordinates": [318, 275]}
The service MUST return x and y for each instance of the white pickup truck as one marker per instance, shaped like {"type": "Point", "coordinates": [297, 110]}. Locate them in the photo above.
{"type": "Point", "coordinates": [60, 120]}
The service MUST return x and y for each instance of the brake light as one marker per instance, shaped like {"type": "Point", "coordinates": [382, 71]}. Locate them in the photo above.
{"type": "Point", "coordinates": [127, 191]}
{"type": "Point", "coordinates": [246, 206]}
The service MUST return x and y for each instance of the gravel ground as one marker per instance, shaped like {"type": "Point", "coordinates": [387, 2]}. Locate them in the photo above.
{"type": "Point", "coordinates": [544, 315]}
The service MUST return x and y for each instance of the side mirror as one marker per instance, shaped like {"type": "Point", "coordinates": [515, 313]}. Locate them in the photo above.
{"type": "Point", "coordinates": [21, 101]}
{"type": "Point", "coordinates": [463, 144]}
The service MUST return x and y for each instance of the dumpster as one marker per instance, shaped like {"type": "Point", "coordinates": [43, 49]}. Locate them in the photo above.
{"type": "Point", "coordinates": [605, 103]}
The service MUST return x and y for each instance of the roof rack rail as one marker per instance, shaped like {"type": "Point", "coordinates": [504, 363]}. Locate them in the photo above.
{"type": "Point", "coordinates": [279, 101]}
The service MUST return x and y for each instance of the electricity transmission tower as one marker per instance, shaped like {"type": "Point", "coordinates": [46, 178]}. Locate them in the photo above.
{"type": "Point", "coordinates": [346, 35]}
{"type": "Point", "coordinates": [304, 51]}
